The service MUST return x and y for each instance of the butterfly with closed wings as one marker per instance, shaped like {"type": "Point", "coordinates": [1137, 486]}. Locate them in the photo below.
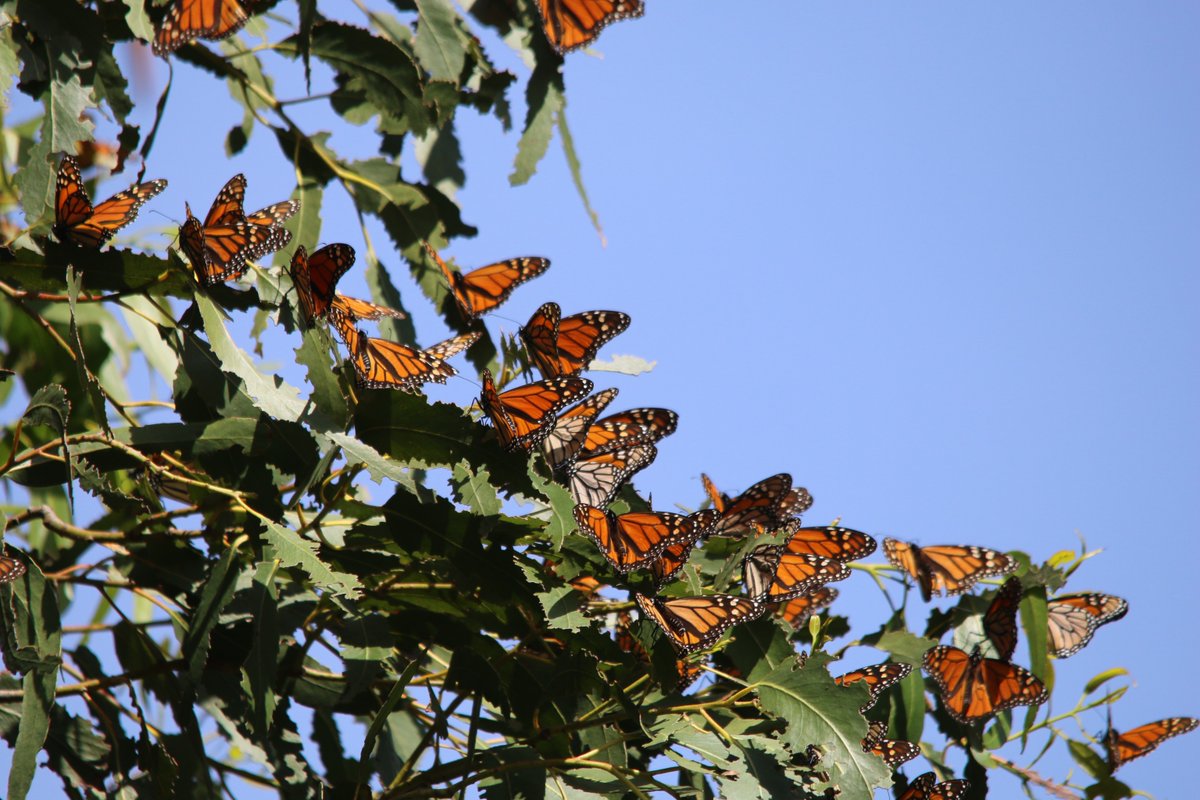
{"type": "Point", "coordinates": [894, 752]}
{"type": "Point", "coordinates": [595, 480]}
{"type": "Point", "coordinates": [695, 623]}
{"type": "Point", "coordinates": [524, 416]}
{"type": "Point", "coordinates": [560, 345]}
{"type": "Point", "coordinates": [1072, 619]}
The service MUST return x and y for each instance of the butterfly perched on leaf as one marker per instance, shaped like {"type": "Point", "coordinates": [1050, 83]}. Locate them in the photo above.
{"type": "Point", "coordinates": [199, 19]}
{"type": "Point", "coordinates": [77, 220]}
{"type": "Point", "coordinates": [1072, 619]}
{"type": "Point", "coordinates": [570, 430]}
{"type": "Point", "coordinates": [560, 345]}
{"type": "Point", "coordinates": [877, 677]}
{"type": "Point", "coordinates": [695, 623]}
{"type": "Point", "coordinates": [759, 506]}
{"type": "Point", "coordinates": [632, 540]}
{"type": "Point", "coordinates": [926, 787]}
{"type": "Point", "coordinates": [973, 687]}
{"type": "Point", "coordinates": [219, 247]}
{"type": "Point", "coordinates": [952, 569]}
{"type": "Point", "coordinates": [571, 24]}
{"type": "Point", "coordinates": [10, 569]}
{"type": "Point", "coordinates": [797, 610]}
{"type": "Point", "coordinates": [894, 752]}
{"type": "Point", "coordinates": [843, 544]}
{"type": "Point", "coordinates": [524, 416]}
{"type": "Point", "coordinates": [596, 479]}
{"type": "Point", "coordinates": [384, 364]}
{"type": "Point", "coordinates": [480, 290]}
{"type": "Point", "coordinates": [628, 428]}
{"type": "Point", "coordinates": [1000, 619]}
{"type": "Point", "coordinates": [772, 574]}
{"type": "Point", "coordinates": [1137, 742]}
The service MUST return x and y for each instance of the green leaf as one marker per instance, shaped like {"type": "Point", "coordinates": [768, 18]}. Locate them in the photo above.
{"type": "Point", "coordinates": [440, 46]}
{"type": "Point", "coordinates": [1103, 678]}
{"type": "Point", "coordinates": [473, 489]}
{"type": "Point", "coordinates": [1086, 757]}
{"type": "Point", "coordinates": [262, 663]}
{"type": "Point", "coordinates": [292, 551]}
{"type": "Point", "coordinates": [905, 647]}
{"type": "Point", "coordinates": [568, 143]}
{"type": "Point", "coordinates": [544, 95]}
{"type": "Point", "coordinates": [218, 590]}
{"type": "Point", "coordinates": [85, 376]}
{"type": "Point", "coordinates": [62, 126]}
{"type": "Point", "coordinates": [395, 695]}
{"type": "Point", "coordinates": [138, 21]}
{"type": "Point", "coordinates": [817, 711]}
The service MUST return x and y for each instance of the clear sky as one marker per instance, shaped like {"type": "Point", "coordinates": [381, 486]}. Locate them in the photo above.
{"type": "Point", "coordinates": [939, 261]}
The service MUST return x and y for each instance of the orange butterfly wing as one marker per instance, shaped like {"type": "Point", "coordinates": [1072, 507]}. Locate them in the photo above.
{"type": "Point", "coordinates": [632, 540]}
{"type": "Point", "coordinates": [571, 428]}
{"type": "Point", "coordinates": [1073, 619]}
{"type": "Point", "coordinates": [227, 207]}
{"type": "Point", "coordinates": [580, 337]}
{"type": "Point", "coordinates": [772, 574]}
{"type": "Point", "coordinates": [842, 544]}
{"type": "Point", "coordinates": [926, 787]}
{"type": "Point", "coordinates": [695, 623]}
{"type": "Point", "coordinates": [797, 610]}
{"type": "Point", "coordinates": [524, 416]}
{"type": "Point", "coordinates": [675, 556]}
{"type": "Point", "coordinates": [758, 505]}
{"type": "Point", "coordinates": [974, 687]}
{"type": "Point", "coordinates": [628, 428]}
{"type": "Point", "coordinates": [92, 226]}
{"type": "Point", "coordinates": [316, 277]}
{"type": "Point", "coordinates": [192, 19]}
{"type": "Point", "coordinates": [357, 309]}
{"type": "Point", "coordinates": [540, 336]}
{"type": "Point", "coordinates": [571, 24]}
{"type": "Point", "coordinates": [894, 752]}
{"type": "Point", "coordinates": [715, 496]}
{"type": "Point", "coordinates": [10, 569]}
{"type": "Point", "coordinates": [949, 569]}
{"type": "Point", "coordinates": [1137, 742]}
{"type": "Point", "coordinates": [480, 290]}
{"type": "Point", "coordinates": [878, 677]}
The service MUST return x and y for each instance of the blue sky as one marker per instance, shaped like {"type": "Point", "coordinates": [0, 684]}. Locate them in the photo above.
{"type": "Point", "coordinates": [938, 261]}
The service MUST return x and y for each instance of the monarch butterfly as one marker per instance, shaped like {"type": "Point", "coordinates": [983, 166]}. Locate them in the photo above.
{"type": "Point", "coordinates": [357, 309]}
{"type": "Point", "coordinates": [1135, 743]}
{"type": "Point", "coordinates": [974, 687]}
{"type": "Point", "coordinates": [675, 556]}
{"type": "Point", "coordinates": [842, 544]}
{"type": "Point", "coordinates": [623, 634]}
{"type": "Point", "coordinates": [1000, 620]}
{"type": "Point", "coordinates": [632, 540]}
{"type": "Point", "coordinates": [795, 503]}
{"type": "Point", "coordinates": [772, 574]}
{"type": "Point", "coordinates": [453, 346]}
{"type": "Point", "coordinates": [75, 217]}
{"type": "Point", "coordinates": [759, 505]}
{"type": "Point", "coordinates": [949, 568]}
{"type": "Point", "coordinates": [203, 19]}
{"type": "Point", "coordinates": [894, 752]}
{"type": "Point", "coordinates": [797, 610]}
{"type": "Point", "coordinates": [383, 364]}
{"type": "Point", "coordinates": [566, 345]}
{"type": "Point", "coordinates": [878, 677]}
{"type": "Point", "coordinates": [219, 247]}
{"type": "Point", "coordinates": [571, 24]}
{"type": "Point", "coordinates": [524, 416]}
{"type": "Point", "coordinates": [316, 277]}
{"type": "Point", "coordinates": [571, 428]}
{"type": "Point", "coordinates": [628, 428]}
{"type": "Point", "coordinates": [596, 479]}
{"type": "Point", "coordinates": [926, 787]}
{"type": "Point", "coordinates": [10, 569]}
{"type": "Point", "coordinates": [1074, 618]}
{"type": "Point", "coordinates": [481, 290]}
{"type": "Point", "coordinates": [695, 623]}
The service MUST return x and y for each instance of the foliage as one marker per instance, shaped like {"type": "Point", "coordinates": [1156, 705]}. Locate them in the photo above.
{"type": "Point", "coordinates": [249, 598]}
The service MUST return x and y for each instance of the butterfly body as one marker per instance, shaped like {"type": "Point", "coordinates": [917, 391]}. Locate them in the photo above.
{"type": "Point", "coordinates": [77, 220]}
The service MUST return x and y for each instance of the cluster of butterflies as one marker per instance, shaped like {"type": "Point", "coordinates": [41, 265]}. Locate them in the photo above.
{"type": "Point", "coordinates": [560, 417]}
{"type": "Point", "coordinates": [568, 24]}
